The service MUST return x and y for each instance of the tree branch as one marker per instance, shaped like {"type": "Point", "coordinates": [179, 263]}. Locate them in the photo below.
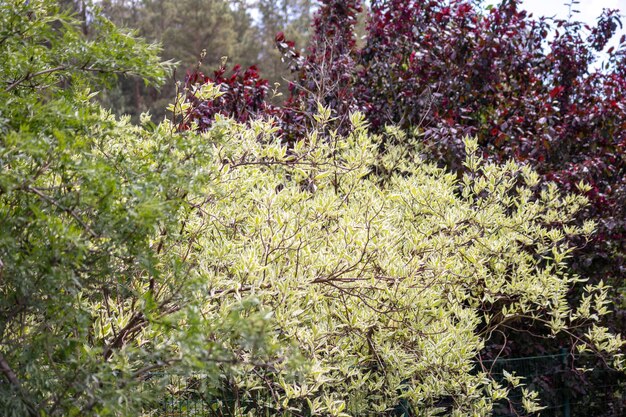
{"type": "Point", "coordinates": [67, 210]}
{"type": "Point", "coordinates": [30, 76]}
{"type": "Point", "coordinates": [8, 373]}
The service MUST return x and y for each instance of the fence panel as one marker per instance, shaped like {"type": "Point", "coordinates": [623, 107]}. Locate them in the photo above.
{"type": "Point", "coordinates": [563, 391]}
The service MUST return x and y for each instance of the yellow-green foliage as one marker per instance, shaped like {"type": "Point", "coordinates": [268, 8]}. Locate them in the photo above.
{"type": "Point", "coordinates": [386, 291]}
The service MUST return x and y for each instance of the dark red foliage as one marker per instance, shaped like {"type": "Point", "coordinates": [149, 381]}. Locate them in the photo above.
{"type": "Point", "coordinates": [244, 96]}
{"type": "Point", "coordinates": [326, 74]}
{"type": "Point", "coordinates": [452, 69]}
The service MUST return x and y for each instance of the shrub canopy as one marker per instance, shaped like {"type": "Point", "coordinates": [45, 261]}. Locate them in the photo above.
{"type": "Point", "coordinates": [294, 277]}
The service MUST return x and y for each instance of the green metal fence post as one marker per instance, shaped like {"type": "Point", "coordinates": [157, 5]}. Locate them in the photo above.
{"type": "Point", "coordinates": [566, 404]}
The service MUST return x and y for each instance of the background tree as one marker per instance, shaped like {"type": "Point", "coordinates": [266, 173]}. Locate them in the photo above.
{"type": "Point", "coordinates": [291, 17]}
{"type": "Point", "coordinates": [184, 29]}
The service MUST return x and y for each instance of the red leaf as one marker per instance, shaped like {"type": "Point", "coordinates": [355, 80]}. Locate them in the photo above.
{"type": "Point", "coordinates": [556, 91]}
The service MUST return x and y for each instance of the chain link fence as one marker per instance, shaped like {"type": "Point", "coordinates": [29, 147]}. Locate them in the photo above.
{"type": "Point", "coordinates": [563, 390]}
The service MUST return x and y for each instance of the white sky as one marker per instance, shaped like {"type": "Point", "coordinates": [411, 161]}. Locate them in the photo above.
{"type": "Point", "coordinates": [589, 10]}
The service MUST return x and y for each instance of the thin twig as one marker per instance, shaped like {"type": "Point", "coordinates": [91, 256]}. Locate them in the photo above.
{"type": "Point", "coordinates": [30, 76]}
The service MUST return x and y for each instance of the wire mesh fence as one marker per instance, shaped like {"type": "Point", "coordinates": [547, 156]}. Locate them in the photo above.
{"type": "Point", "coordinates": [563, 390]}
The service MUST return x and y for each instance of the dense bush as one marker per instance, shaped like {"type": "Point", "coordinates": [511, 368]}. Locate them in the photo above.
{"type": "Point", "coordinates": [289, 275]}
{"type": "Point", "coordinates": [529, 89]}
{"type": "Point", "coordinates": [97, 246]}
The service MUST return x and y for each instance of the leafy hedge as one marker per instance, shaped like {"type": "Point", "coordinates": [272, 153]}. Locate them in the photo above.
{"type": "Point", "coordinates": [291, 270]}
